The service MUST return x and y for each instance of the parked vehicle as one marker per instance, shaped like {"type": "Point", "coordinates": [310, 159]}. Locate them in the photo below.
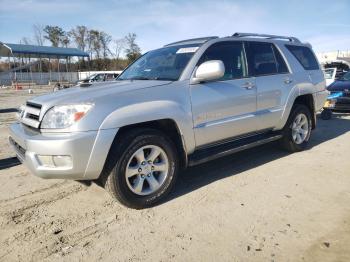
{"type": "Point", "coordinates": [99, 77]}
{"type": "Point", "coordinates": [339, 98]}
{"type": "Point", "coordinates": [329, 75]}
{"type": "Point", "coordinates": [181, 105]}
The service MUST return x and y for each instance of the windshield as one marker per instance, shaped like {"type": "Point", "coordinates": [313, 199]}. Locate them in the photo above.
{"type": "Point", "coordinates": [161, 64]}
{"type": "Point", "coordinates": [328, 73]}
{"type": "Point", "coordinates": [346, 77]}
{"type": "Point", "coordinates": [90, 77]}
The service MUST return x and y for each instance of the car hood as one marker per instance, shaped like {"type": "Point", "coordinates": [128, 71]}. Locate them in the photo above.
{"type": "Point", "coordinates": [90, 92]}
{"type": "Point", "coordinates": [339, 86]}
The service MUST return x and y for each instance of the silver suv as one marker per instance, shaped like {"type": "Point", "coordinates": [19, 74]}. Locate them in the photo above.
{"type": "Point", "coordinates": [181, 105]}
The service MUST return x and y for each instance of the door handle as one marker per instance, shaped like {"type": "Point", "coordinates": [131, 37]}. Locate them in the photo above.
{"type": "Point", "coordinates": [248, 85]}
{"type": "Point", "coordinates": [288, 81]}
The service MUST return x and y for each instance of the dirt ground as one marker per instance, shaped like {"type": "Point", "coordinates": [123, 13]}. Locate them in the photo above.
{"type": "Point", "coordinates": [259, 205]}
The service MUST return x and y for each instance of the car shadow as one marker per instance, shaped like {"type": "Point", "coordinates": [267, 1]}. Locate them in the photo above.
{"type": "Point", "coordinates": [9, 162]}
{"type": "Point", "coordinates": [8, 110]}
{"type": "Point", "coordinates": [199, 176]}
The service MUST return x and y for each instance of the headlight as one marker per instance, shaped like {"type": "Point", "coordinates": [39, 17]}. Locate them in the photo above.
{"type": "Point", "coordinates": [64, 116]}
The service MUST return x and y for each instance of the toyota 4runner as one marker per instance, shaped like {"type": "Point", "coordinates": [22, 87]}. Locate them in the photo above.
{"type": "Point", "coordinates": [181, 105]}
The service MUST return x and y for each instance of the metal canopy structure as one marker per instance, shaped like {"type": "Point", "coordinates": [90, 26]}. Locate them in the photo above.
{"type": "Point", "coordinates": [22, 57]}
{"type": "Point", "coordinates": [33, 51]}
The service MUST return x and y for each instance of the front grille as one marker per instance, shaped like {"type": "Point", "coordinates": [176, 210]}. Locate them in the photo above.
{"type": "Point", "coordinates": [31, 115]}
{"type": "Point", "coordinates": [346, 94]}
{"type": "Point", "coordinates": [30, 104]}
{"type": "Point", "coordinates": [342, 103]}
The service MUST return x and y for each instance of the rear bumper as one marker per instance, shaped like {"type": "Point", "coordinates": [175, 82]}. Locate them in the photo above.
{"type": "Point", "coordinates": [87, 151]}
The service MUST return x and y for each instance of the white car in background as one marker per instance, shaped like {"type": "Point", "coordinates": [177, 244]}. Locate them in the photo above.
{"type": "Point", "coordinates": [100, 77]}
{"type": "Point", "coordinates": [329, 75]}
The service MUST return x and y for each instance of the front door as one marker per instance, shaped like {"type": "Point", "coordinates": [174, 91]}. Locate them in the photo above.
{"type": "Point", "coordinates": [225, 108]}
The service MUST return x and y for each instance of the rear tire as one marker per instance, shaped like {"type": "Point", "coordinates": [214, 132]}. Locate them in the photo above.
{"type": "Point", "coordinates": [297, 131]}
{"type": "Point", "coordinates": [141, 169]}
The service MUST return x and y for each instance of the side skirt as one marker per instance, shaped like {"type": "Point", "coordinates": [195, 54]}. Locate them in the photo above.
{"type": "Point", "coordinates": [210, 153]}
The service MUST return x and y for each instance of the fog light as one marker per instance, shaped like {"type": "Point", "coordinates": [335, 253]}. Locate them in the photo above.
{"type": "Point", "coordinates": [62, 161]}
{"type": "Point", "coordinates": [55, 161]}
{"type": "Point", "coordinates": [45, 161]}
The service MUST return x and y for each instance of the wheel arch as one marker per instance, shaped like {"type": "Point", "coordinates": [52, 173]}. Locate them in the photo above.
{"type": "Point", "coordinates": [167, 126]}
{"type": "Point", "coordinates": [306, 99]}
{"type": "Point", "coordinates": [309, 102]}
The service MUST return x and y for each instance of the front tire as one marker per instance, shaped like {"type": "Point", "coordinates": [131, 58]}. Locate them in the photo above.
{"type": "Point", "coordinates": [143, 168]}
{"type": "Point", "coordinates": [297, 131]}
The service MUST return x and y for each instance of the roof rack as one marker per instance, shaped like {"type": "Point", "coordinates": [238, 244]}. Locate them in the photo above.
{"type": "Point", "coordinates": [289, 38]}
{"type": "Point", "coordinates": [200, 40]}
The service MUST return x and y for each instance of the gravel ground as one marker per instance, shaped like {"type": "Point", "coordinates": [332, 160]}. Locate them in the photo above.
{"type": "Point", "coordinates": [259, 205]}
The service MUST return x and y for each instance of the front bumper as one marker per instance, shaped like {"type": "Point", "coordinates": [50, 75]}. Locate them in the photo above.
{"type": "Point", "coordinates": [87, 150]}
{"type": "Point", "coordinates": [338, 102]}
{"type": "Point", "coordinates": [342, 104]}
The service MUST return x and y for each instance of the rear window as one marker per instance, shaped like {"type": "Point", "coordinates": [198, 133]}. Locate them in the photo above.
{"type": "Point", "coordinates": [305, 56]}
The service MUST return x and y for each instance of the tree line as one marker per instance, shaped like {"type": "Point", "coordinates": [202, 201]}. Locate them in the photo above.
{"type": "Point", "coordinates": [105, 52]}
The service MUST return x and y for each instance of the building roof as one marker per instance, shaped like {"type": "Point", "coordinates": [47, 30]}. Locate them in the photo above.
{"type": "Point", "coordinates": [39, 51]}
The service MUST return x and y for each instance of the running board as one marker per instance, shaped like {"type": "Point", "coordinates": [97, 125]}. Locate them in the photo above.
{"type": "Point", "coordinates": [207, 154]}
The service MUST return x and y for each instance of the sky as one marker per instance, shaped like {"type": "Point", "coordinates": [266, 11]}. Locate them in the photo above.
{"type": "Point", "coordinates": [323, 23]}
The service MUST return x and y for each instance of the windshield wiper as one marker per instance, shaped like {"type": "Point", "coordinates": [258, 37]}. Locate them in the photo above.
{"type": "Point", "coordinates": [140, 78]}
{"type": "Point", "coordinates": [165, 78]}
{"type": "Point", "coordinates": [148, 78]}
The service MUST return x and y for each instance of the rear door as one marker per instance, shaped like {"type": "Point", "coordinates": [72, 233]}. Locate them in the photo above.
{"type": "Point", "coordinates": [273, 81]}
{"type": "Point", "coordinates": [224, 108]}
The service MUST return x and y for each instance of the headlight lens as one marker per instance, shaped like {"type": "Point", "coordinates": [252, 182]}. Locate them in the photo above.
{"type": "Point", "coordinates": [64, 116]}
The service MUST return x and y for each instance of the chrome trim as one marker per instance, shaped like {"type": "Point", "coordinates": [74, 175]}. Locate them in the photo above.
{"type": "Point", "coordinates": [30, 122]}
{"type": "Point", "coordinates": [224, 121]}
{"type": "Point", "coordinates": [32, 110]}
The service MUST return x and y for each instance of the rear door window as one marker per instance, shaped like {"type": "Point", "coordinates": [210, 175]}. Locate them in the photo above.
{"type": "Point", "coordinates": [261, 59]}
{"type": "Point", "coordinates": [305, 56]}
{"type": "Point", "coordinates": [265, 59]}
{"type": "Point", "coordinates": [281, 63]}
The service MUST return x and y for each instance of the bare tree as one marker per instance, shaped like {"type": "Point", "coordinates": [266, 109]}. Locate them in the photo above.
{"type": "Point", "coordinates": [54, 34]}
{"type": "Point", "coordinates": [119, 46]}
{"type": "Point", "coordinates": [133, 51]}
{"type": "Point", "coordinates": [105, 40]}
{"type": "Point", "coordinates": [65, 40]}
{"type": "Point", "coordinates": [25, 41]}
{"type": "Point", "coordinates": [95, 43]}
{"type": "Point", "coordinates": [38, 31]}
{"type": "Point", "coordinates": [80, 35]}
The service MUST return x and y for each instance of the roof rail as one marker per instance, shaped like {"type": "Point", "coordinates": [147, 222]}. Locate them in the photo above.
{"type": "Point", "coordinates": [289, 38]}
{"type": "Point", "coordinates": [194, 40]}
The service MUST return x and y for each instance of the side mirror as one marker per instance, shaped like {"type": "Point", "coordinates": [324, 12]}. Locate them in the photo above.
{"type": "Point", "coordinates": [208, 71]}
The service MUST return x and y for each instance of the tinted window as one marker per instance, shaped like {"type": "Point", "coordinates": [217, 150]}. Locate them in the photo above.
{"type": "Point", "coordinates": [231, 54]}
{"type": "Point", "coordinates": [261, 59]}
{"type": "Point", "coordinates": [305, 57]}
{"type": "Point", "coordinates": [281, 64]}
{"type": "Point", "coordinates": [99, 77]}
